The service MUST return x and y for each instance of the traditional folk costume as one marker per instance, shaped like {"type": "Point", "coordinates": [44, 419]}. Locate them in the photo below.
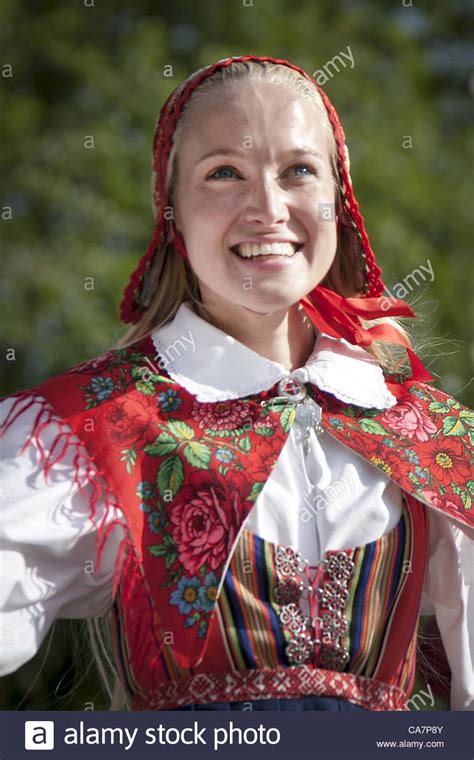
{"type": "Point", "coordinates": [261, 535]}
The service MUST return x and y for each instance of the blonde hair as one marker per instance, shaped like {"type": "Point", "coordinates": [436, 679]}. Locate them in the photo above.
{"type": "Point", "coordinates": [104, 650]}
{"type": "Point", "coordinates": [178, 283]}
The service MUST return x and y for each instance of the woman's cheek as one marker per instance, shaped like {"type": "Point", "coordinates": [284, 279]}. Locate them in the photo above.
{"type": "Point", "coordinates": [210, 204]}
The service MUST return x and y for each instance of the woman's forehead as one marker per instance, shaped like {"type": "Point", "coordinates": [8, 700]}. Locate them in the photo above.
{"type": "Point", "coordinates": [255, 115]}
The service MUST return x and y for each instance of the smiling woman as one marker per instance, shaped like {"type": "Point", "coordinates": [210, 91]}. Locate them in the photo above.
{"type": "Point", "coordinates": [268, 116]}
{"type": "Point", "coordinates": [228, 214]}
{"type": "Point", "coordinates": [187, 481]}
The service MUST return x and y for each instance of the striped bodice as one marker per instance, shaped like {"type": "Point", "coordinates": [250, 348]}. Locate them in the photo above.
{"type": "Point", "coordinates": [275, 610]}
{"type": "Point", "coordinates": [354, 613]}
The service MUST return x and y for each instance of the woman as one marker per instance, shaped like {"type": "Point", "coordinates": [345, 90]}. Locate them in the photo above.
{"type": "Point", "coordinates": [272, 486]}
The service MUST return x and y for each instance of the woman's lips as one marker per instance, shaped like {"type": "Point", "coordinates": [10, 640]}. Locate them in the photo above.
{"type": "Point", "coordinates": [252, 249]}
{"type": "Point", "coordinates": [272, 261]}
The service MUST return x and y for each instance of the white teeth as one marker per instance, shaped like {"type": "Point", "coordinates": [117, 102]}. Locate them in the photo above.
{"type": "Point", "coordinates": [247, 250]}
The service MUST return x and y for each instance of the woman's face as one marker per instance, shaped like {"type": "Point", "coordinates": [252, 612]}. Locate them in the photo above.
{"type": "Point", "coordinates": [254, 170]}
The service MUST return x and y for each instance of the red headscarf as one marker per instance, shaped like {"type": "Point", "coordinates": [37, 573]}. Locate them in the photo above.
{"type": "Point", "coordinates": [331, 313]}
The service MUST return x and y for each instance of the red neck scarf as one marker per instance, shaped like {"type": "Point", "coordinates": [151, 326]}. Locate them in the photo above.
{"type": "Point", "coordinates": [331, 313]}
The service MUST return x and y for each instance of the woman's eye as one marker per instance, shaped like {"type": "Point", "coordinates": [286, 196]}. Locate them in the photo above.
{"type": "Point", "coordinates": [308, 170]}
{"type": "Point", "coordinates": [230, 171]}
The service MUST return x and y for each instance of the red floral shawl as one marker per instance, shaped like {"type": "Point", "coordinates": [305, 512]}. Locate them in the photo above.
{"type": "Point", "coordinates": [149, 446]}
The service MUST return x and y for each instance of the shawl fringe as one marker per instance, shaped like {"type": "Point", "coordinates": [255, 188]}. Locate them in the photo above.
{"type": "Point", "coordinates": [86, 471]}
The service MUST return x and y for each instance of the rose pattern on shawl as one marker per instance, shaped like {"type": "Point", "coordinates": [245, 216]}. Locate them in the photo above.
{"type": "Point", "coordinates": [129, 422]}
{"type": "Point", "coordinates": [205, 518]}
{"type": "Point", "coordinates": [426, 439]}
{"type": "Point", "coordinates": [200, 466]}
{"type": "Point", "coordinates": [263, 428]}
{"type": "Point", "coordinates": [446, 501]}
{"type": "Point", "coordinates": [180, 442]}
{"type": "Point", "coordinates": [408, 417]}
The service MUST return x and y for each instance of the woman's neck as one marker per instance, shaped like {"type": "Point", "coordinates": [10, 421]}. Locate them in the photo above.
{"type": "Point", "coordinates": [286, 336]}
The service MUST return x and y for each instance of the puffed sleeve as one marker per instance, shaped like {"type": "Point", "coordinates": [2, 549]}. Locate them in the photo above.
{"type": "Point", "coordinates": [449, 589]}
{"type": "Point", "coordinates": [47, 543]}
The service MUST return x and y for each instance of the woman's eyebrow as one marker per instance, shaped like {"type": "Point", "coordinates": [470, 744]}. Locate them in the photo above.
{"type": "Point", "coordinates": [219, 152]}
{"type": "Point", "coordinates": [305, 151]}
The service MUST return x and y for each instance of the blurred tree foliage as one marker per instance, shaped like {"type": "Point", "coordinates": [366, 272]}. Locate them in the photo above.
{"type": "Point", "coordinates": [87, 83]}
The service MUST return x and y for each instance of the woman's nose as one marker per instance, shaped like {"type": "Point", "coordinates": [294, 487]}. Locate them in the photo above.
{"type": "Point", "coordinates": [266, 202]}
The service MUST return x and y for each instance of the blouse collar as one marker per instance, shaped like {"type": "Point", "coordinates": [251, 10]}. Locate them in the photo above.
{"type": "Point", "coordinates": [214, 366]}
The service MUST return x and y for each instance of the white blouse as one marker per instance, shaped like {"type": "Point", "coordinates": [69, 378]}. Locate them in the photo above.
{"type": "Point", "coordinates": [318, 497]}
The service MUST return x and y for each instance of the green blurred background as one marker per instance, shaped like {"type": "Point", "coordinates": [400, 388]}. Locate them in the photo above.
{"type": "Point", "coordinates": [83, 72]}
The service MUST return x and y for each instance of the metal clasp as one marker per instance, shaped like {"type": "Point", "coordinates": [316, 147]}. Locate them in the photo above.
{"type": "Point", "coordinates": [290, 390]}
